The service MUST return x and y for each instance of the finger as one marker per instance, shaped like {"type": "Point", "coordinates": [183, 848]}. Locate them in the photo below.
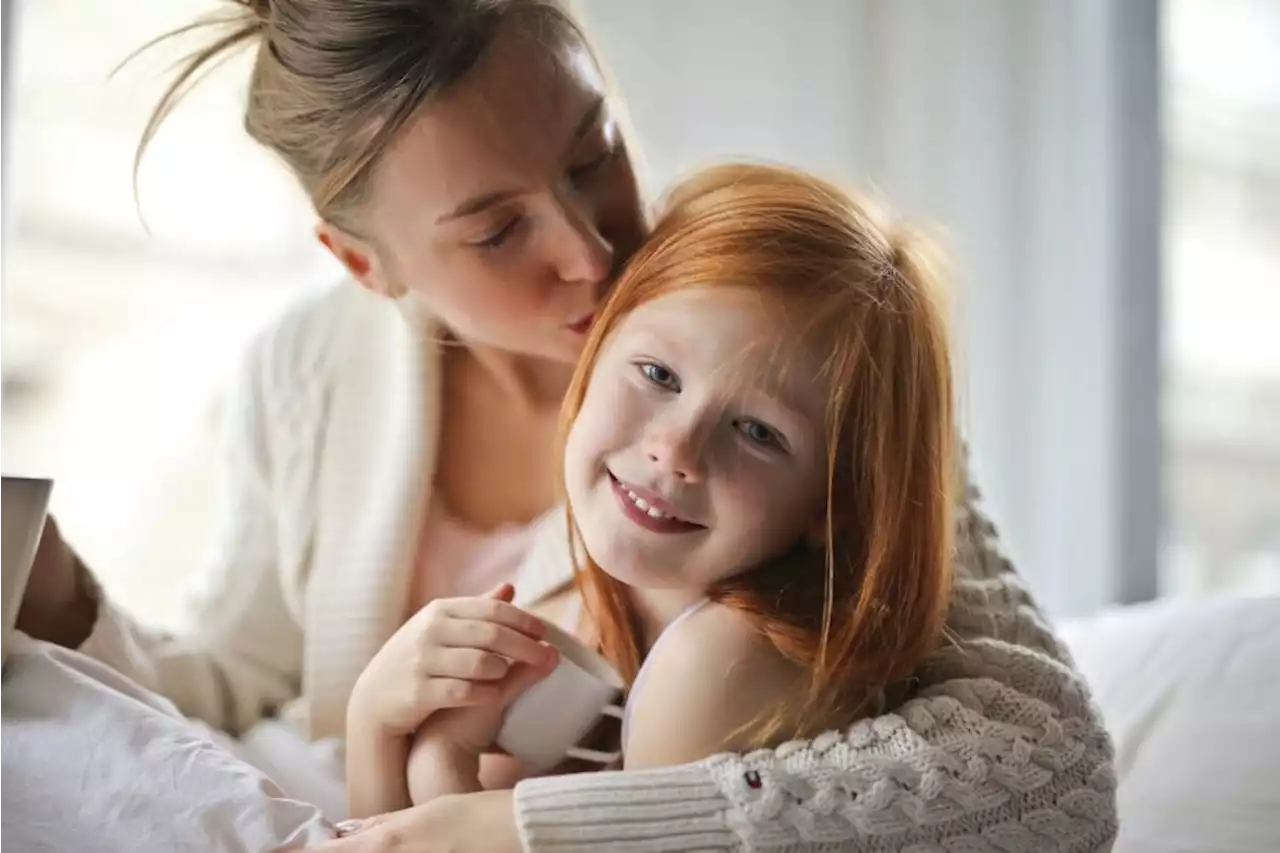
{"type": "Point", "coordinates": [522, 677]}
{"type": "Point", "coordinates": [488, 636]}
{"type": "Point", "coordinates": [500, 612]}
{"type": "Point", "coordinates": [501, 592]}
{"type": "Point", "coordinates": [348, 827]}
{"type": "Point", "coordinates": [440, 693]}
{"type": "Point", "coordinates": [466, 663]}
{"type": "Point", "coordinates": [354, 836]}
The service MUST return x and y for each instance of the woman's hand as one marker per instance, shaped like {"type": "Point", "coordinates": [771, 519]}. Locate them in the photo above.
{"type": "Point", "coordinates": [60, 604]}
{"type": "Point", "coordinates": [453, 653]}
{"type": "Point", "coordinates": [484, 822]}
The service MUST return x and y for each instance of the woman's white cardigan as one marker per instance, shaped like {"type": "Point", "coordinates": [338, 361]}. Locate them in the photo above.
{"type": "Point", "coordinates": [332, 450]}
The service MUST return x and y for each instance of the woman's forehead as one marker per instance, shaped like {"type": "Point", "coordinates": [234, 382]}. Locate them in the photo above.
{"type": "Point", "coordinates": [504, 128]}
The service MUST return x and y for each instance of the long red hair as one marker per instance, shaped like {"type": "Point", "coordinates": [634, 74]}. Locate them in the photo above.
{"type": "Point", "coordinates": [861, 614]}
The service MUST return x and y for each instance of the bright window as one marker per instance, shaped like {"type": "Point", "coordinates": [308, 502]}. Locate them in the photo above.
{"type": "Point", "coordinates": [115, 339]}
{"type": "Point", "coordinates": [1222, 295]}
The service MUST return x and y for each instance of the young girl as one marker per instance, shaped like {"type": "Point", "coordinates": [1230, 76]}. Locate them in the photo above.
{"type": "Point", "coordinates": [759, 466]}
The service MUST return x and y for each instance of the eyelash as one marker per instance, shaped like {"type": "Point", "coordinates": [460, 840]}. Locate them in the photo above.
{"type": "Point", "coordinates": [772, 440]}
{"type": "Point", "coordinates": [497, 238]}
{"type": "Point", "coordinates": [646, 368]}
{"type": "Point", "coordinates": [587, 170]}
{"type": "Point", "coordinates": [576, 174]}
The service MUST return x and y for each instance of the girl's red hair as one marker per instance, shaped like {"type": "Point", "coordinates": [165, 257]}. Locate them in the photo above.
{"type": "Point", "coordinates": [861, 615]}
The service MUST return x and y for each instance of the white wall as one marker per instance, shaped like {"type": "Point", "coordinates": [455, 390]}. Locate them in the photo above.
{"type": "Point", "coordinates": [8, 38]}
{"type": "Point", "coordinates": [1029, 130]}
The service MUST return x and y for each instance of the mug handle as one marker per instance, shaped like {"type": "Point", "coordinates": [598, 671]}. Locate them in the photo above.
{"type": "Point", "coordinates": [596, 756]}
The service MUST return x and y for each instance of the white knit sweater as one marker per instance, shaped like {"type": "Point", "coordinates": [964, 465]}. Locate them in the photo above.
{"type": "Point", "coordinates": [331, 450]}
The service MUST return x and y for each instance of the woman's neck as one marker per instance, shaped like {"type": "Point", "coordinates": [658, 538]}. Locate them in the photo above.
{"type": "Point", "coordinates": [531, 384]}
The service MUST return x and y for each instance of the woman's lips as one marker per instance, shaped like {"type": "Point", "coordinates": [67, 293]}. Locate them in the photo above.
{"type": "Point", "coordinates": [583, 325]}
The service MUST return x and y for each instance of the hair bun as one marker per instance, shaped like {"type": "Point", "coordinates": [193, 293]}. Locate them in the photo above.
{"type": "Point", "coordinates": [902, 243]}
{"type": "Point", "coordinates": [261, 9]}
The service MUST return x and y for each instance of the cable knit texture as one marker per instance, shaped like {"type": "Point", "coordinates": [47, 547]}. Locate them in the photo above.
{"type": "Point", "coordinates": [331, 454]}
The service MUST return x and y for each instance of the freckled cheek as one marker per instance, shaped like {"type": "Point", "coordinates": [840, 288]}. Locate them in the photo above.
{"type": "Point", "coordinates": [762, 503]}
{"type": "Point", "coordinates": [620, 414]}
{"type": "Point", "coordinates": [577, 462]}
{"type": "Point", "coordinates": [592, 436]}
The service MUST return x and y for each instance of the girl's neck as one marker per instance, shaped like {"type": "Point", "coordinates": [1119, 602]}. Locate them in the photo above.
{"type": "Point", "coordinates": [658, 608]}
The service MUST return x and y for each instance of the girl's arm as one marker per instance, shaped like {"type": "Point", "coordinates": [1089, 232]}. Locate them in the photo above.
{"type": "Point", "coordinates": [376, 778]}
{"type": "Point", "coordinates": [707, 687]}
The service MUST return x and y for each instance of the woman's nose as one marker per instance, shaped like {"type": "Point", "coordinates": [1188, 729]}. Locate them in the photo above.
{"type": "Point", "coordinates": [585, 255]}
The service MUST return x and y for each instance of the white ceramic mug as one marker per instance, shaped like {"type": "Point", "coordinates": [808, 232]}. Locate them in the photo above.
{"type": "Point", "coordinates": [545, 723]}
{"type": "Point", "coordinates": [25, 504]}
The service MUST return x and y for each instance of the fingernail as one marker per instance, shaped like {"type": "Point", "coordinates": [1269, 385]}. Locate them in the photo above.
{"type": "Point", "coordinates": [348, 827]}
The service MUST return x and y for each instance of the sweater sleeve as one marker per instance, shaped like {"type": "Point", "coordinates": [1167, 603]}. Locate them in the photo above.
{"type": "Point", "coordinates": [1001, 750]}
{"type": "Point", "coordinates": [241, 659]}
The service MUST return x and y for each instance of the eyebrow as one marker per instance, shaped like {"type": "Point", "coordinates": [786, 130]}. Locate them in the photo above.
{"type": "Point", "coordinates": [484, 201]}
{"type": "Point", "coordinates": [772, 387]}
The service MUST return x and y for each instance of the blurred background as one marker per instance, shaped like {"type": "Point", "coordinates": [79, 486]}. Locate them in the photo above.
{"type": "Point", "coordinates": [1107, 175]}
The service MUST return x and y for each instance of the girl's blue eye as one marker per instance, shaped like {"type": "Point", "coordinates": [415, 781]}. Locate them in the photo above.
{"type": "Point", "coordinates": [759, 433]}
{"type": "Point", "coordinates": [660, 376]}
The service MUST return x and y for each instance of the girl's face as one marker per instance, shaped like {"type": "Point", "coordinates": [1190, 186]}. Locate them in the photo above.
{"type": "Point", "coordinates": [507, 207]}
{"type": "Point", "coordinates": [699, 449]}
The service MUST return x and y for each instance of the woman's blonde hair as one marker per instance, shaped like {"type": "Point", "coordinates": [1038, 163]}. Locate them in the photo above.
{"type": "Point", "coordinates": [335, 81]}
{"type": "Point", "coordinates": [861, 614]}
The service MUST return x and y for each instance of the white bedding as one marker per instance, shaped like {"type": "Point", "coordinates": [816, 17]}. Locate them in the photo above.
{"type": "Point", "coordinates": [91, 762]}
{"type": "Point", "coordinates": [1191, 694]}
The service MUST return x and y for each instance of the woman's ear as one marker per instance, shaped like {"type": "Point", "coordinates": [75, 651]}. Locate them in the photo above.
{"type": "Point", "coordinates": [360, 258]}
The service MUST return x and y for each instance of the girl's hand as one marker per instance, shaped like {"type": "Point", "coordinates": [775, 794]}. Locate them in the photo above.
{"type": "Point", "coordinates": [473, 729]}
{"type": "Point", "coordinates": [445, 757]}
{"type": "Point", "coordinates": [484, 823]}
{"type": "Point", "coordinates": [453, 653]}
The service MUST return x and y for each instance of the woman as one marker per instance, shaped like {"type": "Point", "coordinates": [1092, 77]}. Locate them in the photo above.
{"type": "Point", "coordinates": [392, 442]}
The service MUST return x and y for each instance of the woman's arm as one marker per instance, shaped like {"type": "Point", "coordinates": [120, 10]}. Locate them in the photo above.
{"type": "Point", "coordinates": [1002, 742]}
{"type": "Point", "coordinates": [242, 657]}
{"type": "Point", "coordinates": [1001, 750]}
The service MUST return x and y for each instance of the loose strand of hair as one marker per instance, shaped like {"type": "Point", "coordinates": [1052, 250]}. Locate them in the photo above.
{"type": "Point", "coordinates": [196, 66]}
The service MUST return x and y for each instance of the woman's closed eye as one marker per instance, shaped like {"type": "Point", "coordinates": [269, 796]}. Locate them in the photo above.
{"type": "Point", "coordinates": [585, 171]}
{"type": "Point", "coordinates": [498, 237]}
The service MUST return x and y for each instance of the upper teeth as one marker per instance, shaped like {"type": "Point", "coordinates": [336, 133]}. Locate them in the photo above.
{"type": "Point", "coordinates": [645, 507]}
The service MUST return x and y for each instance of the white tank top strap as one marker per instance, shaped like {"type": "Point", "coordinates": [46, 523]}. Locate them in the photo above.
{"type": "Point", "coordinates": [644, 666]}
{"type": "Point", "coordinates": [573, 614]}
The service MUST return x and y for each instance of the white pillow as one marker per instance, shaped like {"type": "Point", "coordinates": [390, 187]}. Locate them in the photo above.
{"type": "Point", "coordinates": [1191, 694]}
{"type": "Point", "coordinates": [92, 762]}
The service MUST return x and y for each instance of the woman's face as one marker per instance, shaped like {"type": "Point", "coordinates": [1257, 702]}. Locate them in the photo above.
{"type": "Point", "coordinates": [507, 207]}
